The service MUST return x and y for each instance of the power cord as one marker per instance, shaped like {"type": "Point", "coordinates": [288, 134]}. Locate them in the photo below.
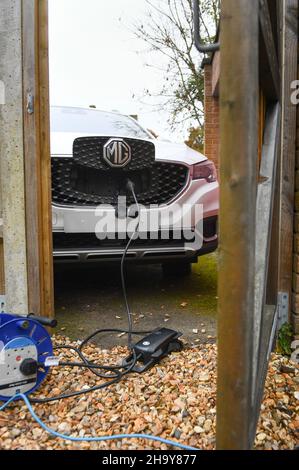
{"type": "Point", "coordinates": [130, 187]}
{"type": "Point", "coordinates": [92, 439]}
{"type": "Point", "coordinates": [112, 379]}
{"type": "Point", "coordinates": [116, 373]}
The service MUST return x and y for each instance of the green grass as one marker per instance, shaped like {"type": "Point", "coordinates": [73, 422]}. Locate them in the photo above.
{"type": "Point", "coordinates": [199, 291]}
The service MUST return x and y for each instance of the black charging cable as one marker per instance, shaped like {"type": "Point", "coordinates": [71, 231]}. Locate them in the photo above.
{"type": "Point", "coordinates": [117, 372]}
{"type": "Point", "coordinates": [130, 188]}
{"type": "Point", "coordinates": [91, 389]}
{"type": "Point", "coordinates": [112, 374]}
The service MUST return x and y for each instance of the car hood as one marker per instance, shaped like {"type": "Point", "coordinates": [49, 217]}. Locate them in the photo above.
{"type": "Point", "coordinates": [62, 144]}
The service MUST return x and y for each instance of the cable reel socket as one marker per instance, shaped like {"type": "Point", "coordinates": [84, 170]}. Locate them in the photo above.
{"type": "Point", "coordinates": [25, 347]}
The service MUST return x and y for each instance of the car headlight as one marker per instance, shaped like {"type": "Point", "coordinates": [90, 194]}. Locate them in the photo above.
{"type": "Point", "coordinates": [206, 171]}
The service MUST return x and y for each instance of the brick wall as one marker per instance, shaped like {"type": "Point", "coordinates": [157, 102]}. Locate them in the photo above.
{"type": "Point", "coordinates": [211, 112]}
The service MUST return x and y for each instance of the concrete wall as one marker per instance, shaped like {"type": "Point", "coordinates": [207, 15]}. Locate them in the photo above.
{"type": "Point", "coordinates": [11, 158]}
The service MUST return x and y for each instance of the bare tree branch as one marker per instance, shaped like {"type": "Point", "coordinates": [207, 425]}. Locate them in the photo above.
{"type": "Point", "coordinates": [168, 31]}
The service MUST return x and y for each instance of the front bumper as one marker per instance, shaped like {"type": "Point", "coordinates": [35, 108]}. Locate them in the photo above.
{"type": "Point", "coordinates": [150, 255]}
{"type": "Point", "coordinates": [75, 241]}
{"type": "Point", "coordinates": [87, 248]}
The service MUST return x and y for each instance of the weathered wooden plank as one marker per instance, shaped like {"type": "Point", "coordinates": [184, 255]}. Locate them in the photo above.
{"type": "Point", "coordinates": [262, 118]}
{"type": "Point", "coordinates": [269, 66]}
{"type": "Point", "coordinates": [37, 157]}
{"type": "Point", "coordinates": [238, 164]}
{"type": "Point", "coordinates": [31, 153]}
{"type": "Point", "coordinates": [288, 155]}
{"type": "Point", "coordinates": [45, 162]}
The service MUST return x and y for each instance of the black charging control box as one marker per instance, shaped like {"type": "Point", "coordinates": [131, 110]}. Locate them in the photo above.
{"type": "Point", "coordinates": [151, 349]}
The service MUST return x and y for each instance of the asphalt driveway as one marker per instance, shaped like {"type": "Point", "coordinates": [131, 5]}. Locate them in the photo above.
{"type": "Point", "coordinates": [90, 298]}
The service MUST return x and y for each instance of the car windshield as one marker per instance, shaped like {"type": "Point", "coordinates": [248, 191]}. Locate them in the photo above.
{"type": "Point", "coordinates": [91, 121]}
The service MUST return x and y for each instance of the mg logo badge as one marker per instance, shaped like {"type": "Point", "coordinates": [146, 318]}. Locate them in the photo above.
{"type": "Point", "coordinates": [117, 153]}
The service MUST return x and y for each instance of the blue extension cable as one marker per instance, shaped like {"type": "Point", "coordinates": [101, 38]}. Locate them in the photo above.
{"type": "Point", "coordinates": [91, 439]}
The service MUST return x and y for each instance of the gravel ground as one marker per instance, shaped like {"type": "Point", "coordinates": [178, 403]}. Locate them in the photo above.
{"type": "Point", "coordinates": [175, 400]}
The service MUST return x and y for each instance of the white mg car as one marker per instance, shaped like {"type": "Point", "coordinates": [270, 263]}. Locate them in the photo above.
{"type": "Point", "coordinates": [94, 155]}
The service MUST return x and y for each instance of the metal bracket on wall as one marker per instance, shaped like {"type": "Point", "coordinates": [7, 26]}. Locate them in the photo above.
{"type": "Point", "coordinates": [283, 309]}
{"type": "Point", "coordinates": [2, 303]}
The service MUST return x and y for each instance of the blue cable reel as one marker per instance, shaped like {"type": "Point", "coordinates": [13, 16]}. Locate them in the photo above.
{"type": "Point", "coordinates": [25, 345]}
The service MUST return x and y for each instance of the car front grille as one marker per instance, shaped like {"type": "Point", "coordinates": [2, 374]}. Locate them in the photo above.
{"type": "Point", "coordinates": [89, 241]}
{"type": "Point", "coordinates": [87, 180]}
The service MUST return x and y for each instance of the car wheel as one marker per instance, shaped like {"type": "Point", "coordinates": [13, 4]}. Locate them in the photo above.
{"type": "Point", "coordinates": [176, 269]}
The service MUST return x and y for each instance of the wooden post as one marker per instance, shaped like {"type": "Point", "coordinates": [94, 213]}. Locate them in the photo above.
{"type": "Point", "coordinates": [45, 163]}
{"type": "Point", "coordinates": [239, 106]}
{"type": "Point", "coordinates": [37, 156]}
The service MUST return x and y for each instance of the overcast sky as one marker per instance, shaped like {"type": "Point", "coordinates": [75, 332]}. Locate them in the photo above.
{"type": "Point", "coordinates": [94, 58]}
